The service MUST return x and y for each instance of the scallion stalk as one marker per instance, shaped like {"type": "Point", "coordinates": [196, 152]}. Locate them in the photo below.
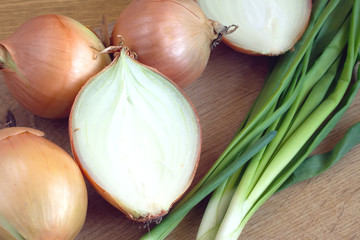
{"type": "Point", "coordinates": [278, 156]}
{"type": "Point", "coordinates": [304, 96]}
{"type": "Point", "coordinates": [175, 216]}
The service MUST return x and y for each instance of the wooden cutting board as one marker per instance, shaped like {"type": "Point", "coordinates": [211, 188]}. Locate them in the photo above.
{"type": "Point", "coordinates": [326, 207]}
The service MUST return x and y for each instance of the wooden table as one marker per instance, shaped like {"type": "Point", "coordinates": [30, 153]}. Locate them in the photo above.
{"type": "Point", "coordinates": [326, 207]}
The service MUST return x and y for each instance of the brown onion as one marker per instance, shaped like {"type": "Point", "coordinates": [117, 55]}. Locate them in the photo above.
{"type": "Point", "coordinates": [173, 36]}
{"type": "Point", "coordinates": [46, 62]}
{"type": "Point", "coordinates": [43, 193]}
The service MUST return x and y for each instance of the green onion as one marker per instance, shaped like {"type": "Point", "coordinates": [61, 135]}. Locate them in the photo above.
{"type": "Point", "coordinates": [317, 164]}
{"type": "Point", "coordinates": [8, 230]}
{"type": "Point", "coordinates": [175, 216]}
{"type": "Point", "coordinates": [296, 129]}
{"type": "Point", "coordinates": [305, 95]}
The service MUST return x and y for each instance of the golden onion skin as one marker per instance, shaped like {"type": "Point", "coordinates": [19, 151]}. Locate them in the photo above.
{"type": "Point", "coordinates": [172, 36]}
{"type": "Point", "coordinates": [54, 56]}
{"type": "Point", "coordinates": [43, 193]}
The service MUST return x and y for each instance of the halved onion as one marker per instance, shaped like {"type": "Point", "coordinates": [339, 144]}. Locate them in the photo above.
{"type": "Point", "coordinates": [136, 137]}
{"type": "Point", "coordinates": [267, 27]}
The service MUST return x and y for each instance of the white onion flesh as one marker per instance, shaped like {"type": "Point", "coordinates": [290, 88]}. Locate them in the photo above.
{"type": "Point", "coordinates": [268, 27]}
{"type": "Point", "coordinates": [137, 137]}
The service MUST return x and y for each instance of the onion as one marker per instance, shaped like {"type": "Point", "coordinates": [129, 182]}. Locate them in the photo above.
{"type": "Point", "coordinates": [265, 27]}
{"type": "Point", "coordinates": [46, 62]}
{"type": "Point", "coordinates": [136, 137]}
{"type": "Point", "coordinates": [173, 36]}
{"type": "Point", "coordinates": [43, 193]}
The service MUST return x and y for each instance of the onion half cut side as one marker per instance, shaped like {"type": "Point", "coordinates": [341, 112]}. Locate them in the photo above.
{"type": "Point", "coordinates": [265, 27]}
{"type": "Point", "coordinates": [137, 138]}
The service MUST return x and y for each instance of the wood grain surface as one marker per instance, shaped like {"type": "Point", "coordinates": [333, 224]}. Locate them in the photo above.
{"type": "Point", "coordinates": [326, 207]}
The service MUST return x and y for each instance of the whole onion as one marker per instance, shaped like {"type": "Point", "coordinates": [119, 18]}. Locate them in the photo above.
{"type": "Point", "coordinates": [173, 36]}
{"type": "Point", "coordinates": [43, 193]}
{"type": "Point", "coordinates": [47, 60]}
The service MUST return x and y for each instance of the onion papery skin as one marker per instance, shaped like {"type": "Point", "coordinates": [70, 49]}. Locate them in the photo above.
{"type": "Point", "coordinates": [172, 36]}
{"type": "Point", "coordinates": [102, 135]}
{"type": "Point", "coordinates": [43, 192]}
{"type": "Point", "coordinates": [265, 27]}
{"type": "Point", "coordinates": [54, 56]}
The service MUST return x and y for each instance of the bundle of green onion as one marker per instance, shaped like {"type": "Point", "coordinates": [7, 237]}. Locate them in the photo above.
{"type": "Point", "coordinates": [306, 93]}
